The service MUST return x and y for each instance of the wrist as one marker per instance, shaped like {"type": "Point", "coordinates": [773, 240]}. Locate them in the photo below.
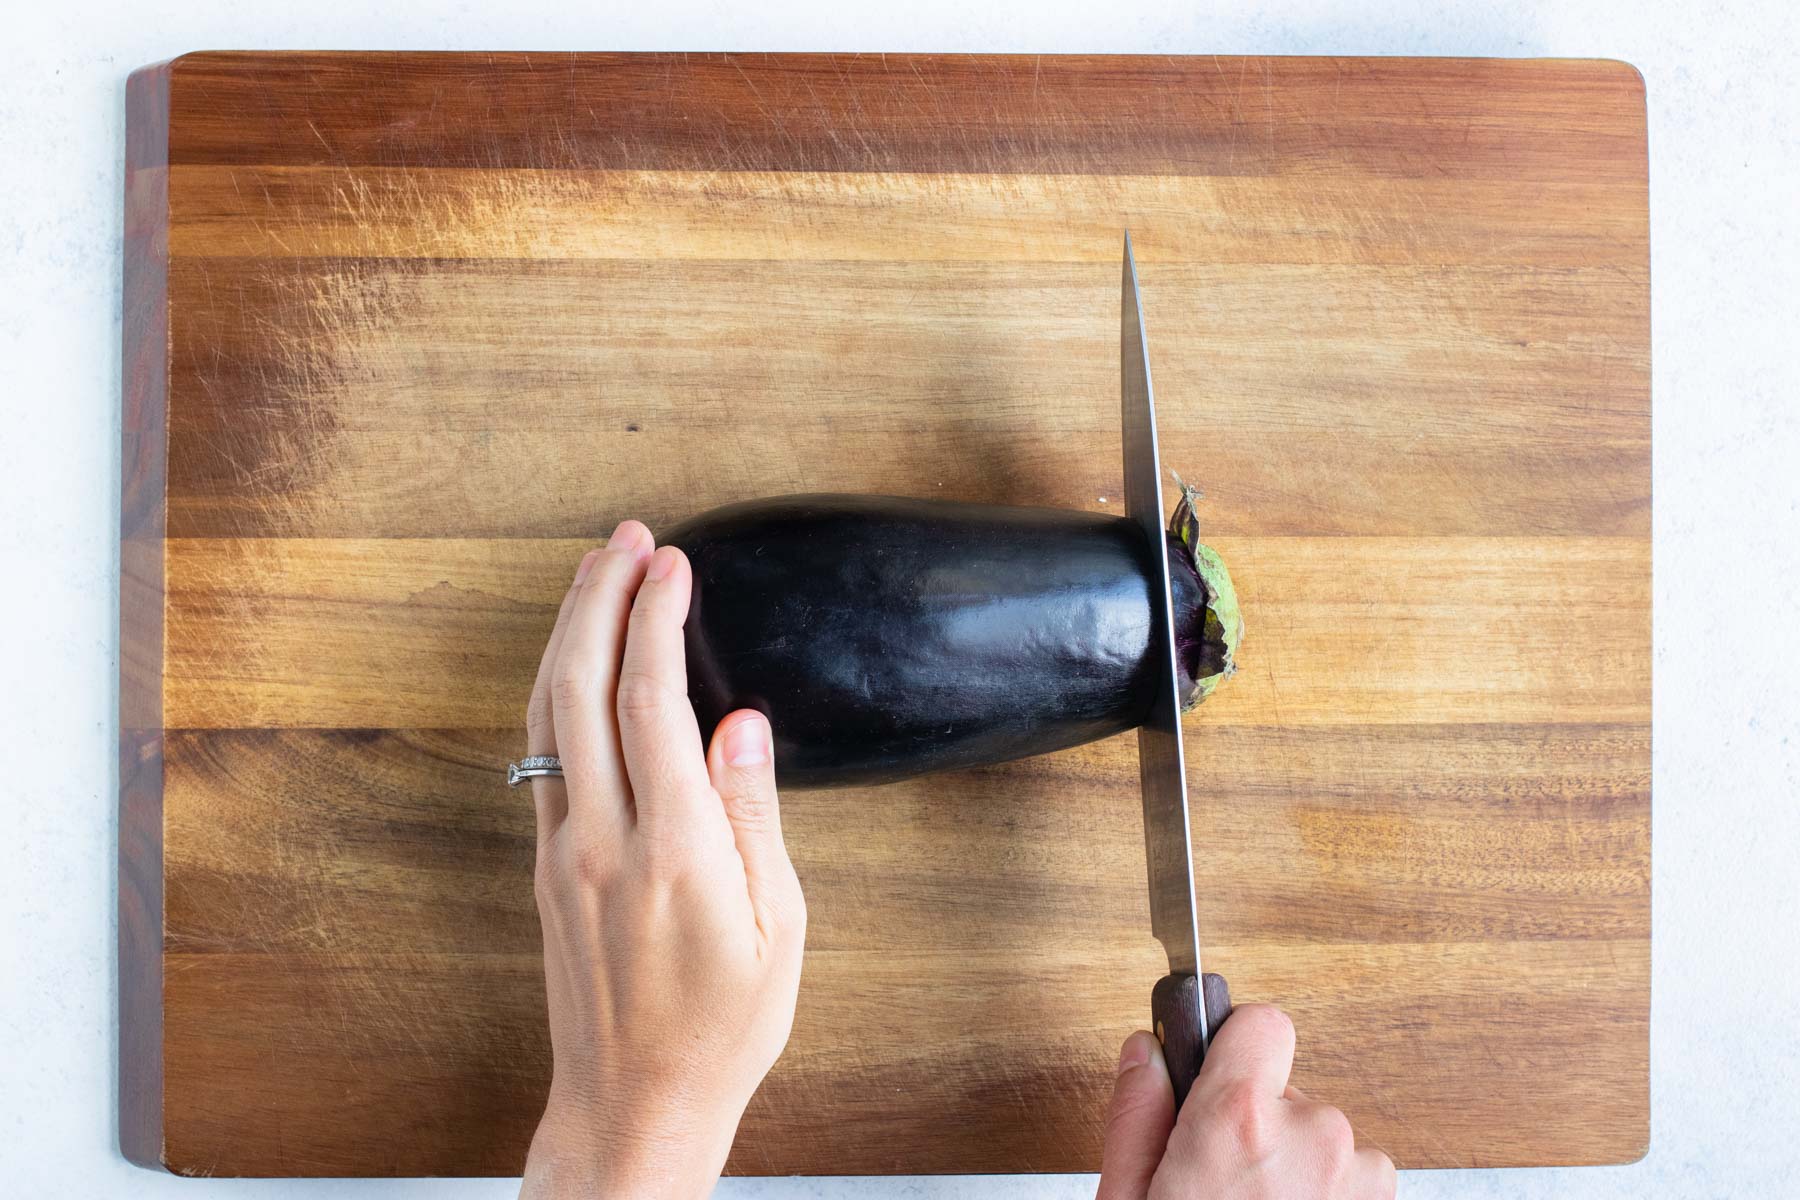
{"type": "Point", "coordinates": [579, 1152]}
{"type": "Point", "coordinates": [567, 1170]}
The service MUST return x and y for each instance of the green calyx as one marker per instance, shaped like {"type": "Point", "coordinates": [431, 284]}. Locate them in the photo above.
{"type": "Point", "coordinates": [1224, 620]}
{"type": "Point", "coordinates": [1223, 628]}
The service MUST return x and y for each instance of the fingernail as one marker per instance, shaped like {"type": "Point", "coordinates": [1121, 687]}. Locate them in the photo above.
{"type": "Point", "coordinates": [747, 743]}
{"type": "Point", "coordinates": [587, 564]}
{"type": "Point", "coordinates": [1136, 1053]}
{"type": "Point", "coordinates": [661, 563]}
{"type": "Point", "coordinates": [625, 537]}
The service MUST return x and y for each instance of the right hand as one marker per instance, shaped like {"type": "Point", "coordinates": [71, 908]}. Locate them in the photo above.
{"type": "Point", "coordinates": [1244, 1134]}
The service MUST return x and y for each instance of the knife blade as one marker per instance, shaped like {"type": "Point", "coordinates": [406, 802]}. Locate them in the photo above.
{"type": "Point", "coordinates": [1185, 1005]}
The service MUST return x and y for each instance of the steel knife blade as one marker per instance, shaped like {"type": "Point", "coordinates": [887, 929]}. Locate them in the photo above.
{"type": "Point", "coordinates": [1183, 1007]}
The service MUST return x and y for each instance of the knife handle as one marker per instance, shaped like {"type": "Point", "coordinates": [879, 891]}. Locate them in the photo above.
{"type": "Point", "coordinates": [1176, 1005]}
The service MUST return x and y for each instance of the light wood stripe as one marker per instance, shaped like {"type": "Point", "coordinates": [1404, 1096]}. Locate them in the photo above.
{"type": "Point", "coordinates": [408, 842]}
{"type": "Point", "coordinates": [1523, 356]}
{"type": "Point", "coordinates": [333, 398]}
{"type": "Point", "coordinates": [669, 216]}
{"type": "Point", "coordinates": [398, 633]}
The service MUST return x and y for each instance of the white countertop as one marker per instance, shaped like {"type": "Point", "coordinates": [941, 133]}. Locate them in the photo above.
{"type": "Point", "coordinates": [1725, 197]}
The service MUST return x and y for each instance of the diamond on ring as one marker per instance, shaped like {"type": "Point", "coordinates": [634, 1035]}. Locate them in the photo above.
{"type": "Point", "coordinates": [545, 765]}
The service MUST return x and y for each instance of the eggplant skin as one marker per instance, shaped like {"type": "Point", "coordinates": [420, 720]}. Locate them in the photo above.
{"type": "Point", "coordinates": [886, 638]}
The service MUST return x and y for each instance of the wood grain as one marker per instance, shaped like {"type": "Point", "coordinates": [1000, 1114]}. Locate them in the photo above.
{"type": "Point", "coordinates": [983, 218]}
{"type": "Point", "coordinates": [406, 332]}
{"type": "Point", "coordinates": [382, 632]}
{"type": "Point", "coordinates": [1023, 114]}
{"type": "Point", "coordinates": [1431, 400]}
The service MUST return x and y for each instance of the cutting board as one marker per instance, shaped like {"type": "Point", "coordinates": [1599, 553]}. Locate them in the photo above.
{"type": "Point", "coordinates": [406, 333]}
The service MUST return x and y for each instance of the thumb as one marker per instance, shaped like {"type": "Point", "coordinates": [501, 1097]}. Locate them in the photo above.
{"type": "Point", "coordinates": [741, 762]}
{"type": "Point", "coordinates": [1138, 1124]}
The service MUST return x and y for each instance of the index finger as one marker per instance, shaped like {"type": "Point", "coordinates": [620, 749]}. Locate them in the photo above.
{"type": "Point", "coordinates": [664, 756]}
{"type": "Point", "coordinates": [1255, 1047]}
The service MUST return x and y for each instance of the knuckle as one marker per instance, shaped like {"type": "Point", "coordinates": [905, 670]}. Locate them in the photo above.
{"type": "Point", "coordinates": [595, 865]}
{"type": "Point", "coordinates": [1246, 1119]}
{"type": "Point", "coordinates": [1336, 1134]}
{"type": "Point", "coordinates": [646, 609]}
{"type": "Point", "coordinates": [641, 694]}
{"type": "Point", "coordinates": [604, 572]}
{"type": "Point", "coordinates": [664, 856]}
{"type": "Point", "coordinates": [1388, 1182]}
{"type": "Point", "coordinates": [548, 875]}
{"type": "Point", "coordinates": [544, 886]}
{"type": "Point", "coordinates": [571, 685]}
{"type": "Point", "coordinates": [753, 807]}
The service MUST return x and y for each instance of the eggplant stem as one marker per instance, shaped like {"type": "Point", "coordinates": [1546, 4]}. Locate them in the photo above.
{"type": "Point", "coordinates": [1185, 523]}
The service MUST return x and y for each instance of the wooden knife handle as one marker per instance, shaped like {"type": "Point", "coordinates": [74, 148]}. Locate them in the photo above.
{"type": "Point", "coordinates": [1176, 1005]}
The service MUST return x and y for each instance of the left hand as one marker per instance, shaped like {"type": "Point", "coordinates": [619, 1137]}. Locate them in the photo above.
{"type": "Point", "coordinates": [673, 921]}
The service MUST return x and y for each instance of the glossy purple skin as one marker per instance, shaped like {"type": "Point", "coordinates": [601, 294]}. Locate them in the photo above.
{"type": "Point", "coordinates": [886, 637]}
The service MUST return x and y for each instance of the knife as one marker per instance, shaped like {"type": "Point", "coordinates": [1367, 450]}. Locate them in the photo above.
{"type": "Point", "coordinates": [1186, 1006]}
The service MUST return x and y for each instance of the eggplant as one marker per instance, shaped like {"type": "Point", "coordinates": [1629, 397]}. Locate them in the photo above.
{"type": "Point", "coordinates": [887, 637]}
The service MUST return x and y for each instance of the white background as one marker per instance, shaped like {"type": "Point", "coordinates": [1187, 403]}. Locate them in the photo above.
{"type": "Point", "coordinates": [1725, 197]}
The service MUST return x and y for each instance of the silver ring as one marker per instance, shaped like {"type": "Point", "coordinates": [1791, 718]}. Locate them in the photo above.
{"type": "Point", "coordinates": [545, 765]}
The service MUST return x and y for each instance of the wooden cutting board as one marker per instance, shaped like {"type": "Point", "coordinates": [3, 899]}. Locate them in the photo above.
{"type": "Point", "coordinates": [406, 333]}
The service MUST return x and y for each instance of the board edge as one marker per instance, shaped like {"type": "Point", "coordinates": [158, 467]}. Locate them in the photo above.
{"type": "Point", "coordinates": [141, 763]}
{"type": "Point", "coordinates": [142, 524]}
{"type": "Point", "coordinates": [784, 123]}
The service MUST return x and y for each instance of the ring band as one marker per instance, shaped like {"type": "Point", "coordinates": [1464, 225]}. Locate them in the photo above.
{"type": "Point", "coordinates": [538, 765]}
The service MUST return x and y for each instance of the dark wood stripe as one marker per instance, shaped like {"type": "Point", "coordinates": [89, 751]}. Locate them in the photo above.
{"type": "Point", "coordinates": [144, 373]}
{"type": "Point", "coordinates": [427, 1064]}
{"type": "Point", "coordinates": [1041, 114]}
